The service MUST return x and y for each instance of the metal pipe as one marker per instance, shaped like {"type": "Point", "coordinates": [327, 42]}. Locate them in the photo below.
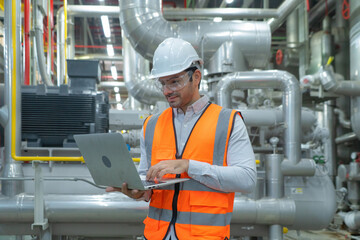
{"type": "Point", "coordinates": [283, 12]}
{"type": "Point", "coordinates": [274, 188]}
{"type": "Point", "coordinates": [65, 41]}
{"type": "Point", "coordinates": [40, 45]}
{"type": "Point", "coordinates": [296, 211]}
{"type": "Point", "coordinates": [49, 38]}
{"type": "Point", "coordinates": [224, 13]}
{"type": "Point", "coordinates": [145, 27]}
{"type": "Point", "coordinates": [348, 88]}
{"type": "Point", "coordinates": [138, 84]}
{"type": "Point", "coordinates": [334, 83]}
{"type": "Point", "coordinates": [342, 118]}
{"type": "Point", "coordinates": [179, 13]}
{"type": "Point", "coordinates": [4, 114]}
{"type": "Point", "coordinates": [4, 111]}
{"type": "Point", "coordinates": [12, 38]}
{"type": "Point", "coordinates": [27, 41]}
{"type": "Point", "coordinates": [306, 167]}
{"type": "Point", "coordinates": [12, 98]}
{"type": "Point", "coordinates": [346, 138]}
{"type": "Point", "coordinates": [354, 64]}
{"type": "Point", "coordinates": [274, 117]}
{"type": "Point", "coordinates": [319, 10]}
{"type": "Point", "coordinates": [60, 44]}
{"type": "Point", "coordinates": [329, 144]}
{"type": "Point", "coordinates": [101, 208]}
{"type": "Point", "coordinates": [351, 219]}
{"type": "Point", "coordinates": [292, 29]}
{"type": "Point", "coordinates": [291, 101]}
{"type": "Point", "coordinates": [100, 56]}
{"type": "Point", "coordinates": [274, 176]}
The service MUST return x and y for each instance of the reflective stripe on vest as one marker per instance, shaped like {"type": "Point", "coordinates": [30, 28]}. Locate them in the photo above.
{"type": "Point", "coordinates": [207, 219]}
{"type": "Point", "coordinates": [201, 211]}
{"type": "Point", "coordinates": [150, 129]}
{"type": "Point", "coordinates": [220, 136]}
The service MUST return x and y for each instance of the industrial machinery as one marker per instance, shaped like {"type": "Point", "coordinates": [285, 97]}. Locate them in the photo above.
{"type": "Point", "coordinates": [291, 68]}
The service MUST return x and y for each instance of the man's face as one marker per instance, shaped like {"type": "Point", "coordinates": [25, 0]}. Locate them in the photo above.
{"type": "Point", "coordinates": [179, 90]}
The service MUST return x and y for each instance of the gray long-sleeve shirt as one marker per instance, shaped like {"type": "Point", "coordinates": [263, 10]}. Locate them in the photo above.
{"type": "Point", "coordinates": [238, 176]}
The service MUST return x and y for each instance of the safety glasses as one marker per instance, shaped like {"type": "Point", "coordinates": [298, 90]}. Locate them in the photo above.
{"type": "Point", "coordinates": [175, 83]}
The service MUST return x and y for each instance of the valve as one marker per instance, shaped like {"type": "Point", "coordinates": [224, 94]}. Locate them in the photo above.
{"type": "Point", "coordinates": [274, 142]}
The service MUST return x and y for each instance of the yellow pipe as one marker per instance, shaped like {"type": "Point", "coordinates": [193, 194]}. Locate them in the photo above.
{"type": "Point", "coordinates": [13, 102]}
{"type": "Point", "coordinates": [65, 44]}
{"type": "Point", "coordinates": [13, 105]}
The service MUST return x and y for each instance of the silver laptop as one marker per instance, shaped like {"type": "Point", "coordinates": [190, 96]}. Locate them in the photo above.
{"type": "Point", "coordinates": [108, 159]}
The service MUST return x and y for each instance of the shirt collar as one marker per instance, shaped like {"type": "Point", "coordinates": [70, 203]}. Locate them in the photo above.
{"type": "Point", "coordinates": [196, 107]}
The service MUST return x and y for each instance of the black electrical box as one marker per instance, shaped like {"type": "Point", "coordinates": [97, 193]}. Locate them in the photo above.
{"type": "Point", "coordinates": [83, 74]}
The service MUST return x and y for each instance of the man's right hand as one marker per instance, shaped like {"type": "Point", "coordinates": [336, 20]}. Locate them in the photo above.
{"type": "Point", "coordinates": [132, 193]}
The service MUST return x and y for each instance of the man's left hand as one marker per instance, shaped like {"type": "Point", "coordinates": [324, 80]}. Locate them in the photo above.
{"type": "Point", "coordinates": [176, 166]}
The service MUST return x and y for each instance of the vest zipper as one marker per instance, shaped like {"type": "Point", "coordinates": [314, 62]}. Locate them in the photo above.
{"type": "Point", "coordinates": [177, 185]}
{"type": "Point", "coordinates": [174, 207]}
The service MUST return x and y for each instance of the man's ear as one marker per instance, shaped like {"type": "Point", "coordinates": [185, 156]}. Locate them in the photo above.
{"type": "Point", "coordinates": [197, 76]}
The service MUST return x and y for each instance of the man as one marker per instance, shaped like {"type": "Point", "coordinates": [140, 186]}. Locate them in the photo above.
{"type": "Point", "coordinates": [192, 139]}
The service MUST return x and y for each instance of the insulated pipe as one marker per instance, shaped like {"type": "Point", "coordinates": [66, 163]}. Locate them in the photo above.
{"type": "Point", "coordinates": [179, 13]}
{"type": "Point", "coordinates": [27, 41]}
{"type": "Point", "coordinates": [312, 208]}
{"type": "Point", "coordinates": [138, 84]}
{"type": "Point", "coordinates": [329, 143]}
{"type": "Point", "coordinates": [351, 219]}
{"type": "Point", "coordinates": [342, 118]}
{"type": "Point", "coordinates": [346, 138]}
{"type": "Point", "coordinates": [224, 13]}
{"type": "Point", "coordinates": [306, 167]}
{"type": "Point", "coordinates": [274, 117]}
{"type": "Point", "coordinates": [283, 12]}
{"type": "Point", "coordinates": [100, 56]}
{"type": "Point", "coordinates": [4, 114]}
{"type": "Point", "coordinates": [319, 10]}
{"type": "Point", "coordinates": [354, 64]}
{"type": "Point", "coordinates": [101, 208]}
{"type": "Point", "coordinates": [334, 83]}
{"type": "Point", "coordinates": [40, 45]}
{"type": "Point", "coordinates": [145, 27]}
{"type": "Point", "coordinates": [274, 188]}
{"type": "Point", "coordinates": [4, 111]}
{"type": "Point", "coordinates": [291, 101]}
{"type": "Point", "coordinates": [60, 44]}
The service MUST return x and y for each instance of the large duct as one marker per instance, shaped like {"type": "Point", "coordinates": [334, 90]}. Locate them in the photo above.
{"type": "Point", "coordinates": [354, 63]}
{"type": "Point", "coordinates": [291, 101]}
{"type": "Point", "coordinates": [137, 82]}
{"type": "Point", "coordinates": [283, 12]}
{"type": "Point", "coordinates": [145, 27]}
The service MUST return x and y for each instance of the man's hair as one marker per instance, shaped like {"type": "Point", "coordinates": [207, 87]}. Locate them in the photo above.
{"type": "Point", "coordinates": [192, 69]}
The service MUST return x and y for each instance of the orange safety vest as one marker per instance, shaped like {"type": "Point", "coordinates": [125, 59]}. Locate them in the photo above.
{"type": "Point", "coordinates": [195, 210]}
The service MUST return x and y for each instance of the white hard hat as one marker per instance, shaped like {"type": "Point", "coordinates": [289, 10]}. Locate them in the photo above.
{"type": "Point", "coordinates": [172, 56]}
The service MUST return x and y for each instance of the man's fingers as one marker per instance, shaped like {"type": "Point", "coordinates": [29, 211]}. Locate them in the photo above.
{"type": "Point", "coordinates": [162, 173]}
{"type": "Point", "coordinates": [113, 189]}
